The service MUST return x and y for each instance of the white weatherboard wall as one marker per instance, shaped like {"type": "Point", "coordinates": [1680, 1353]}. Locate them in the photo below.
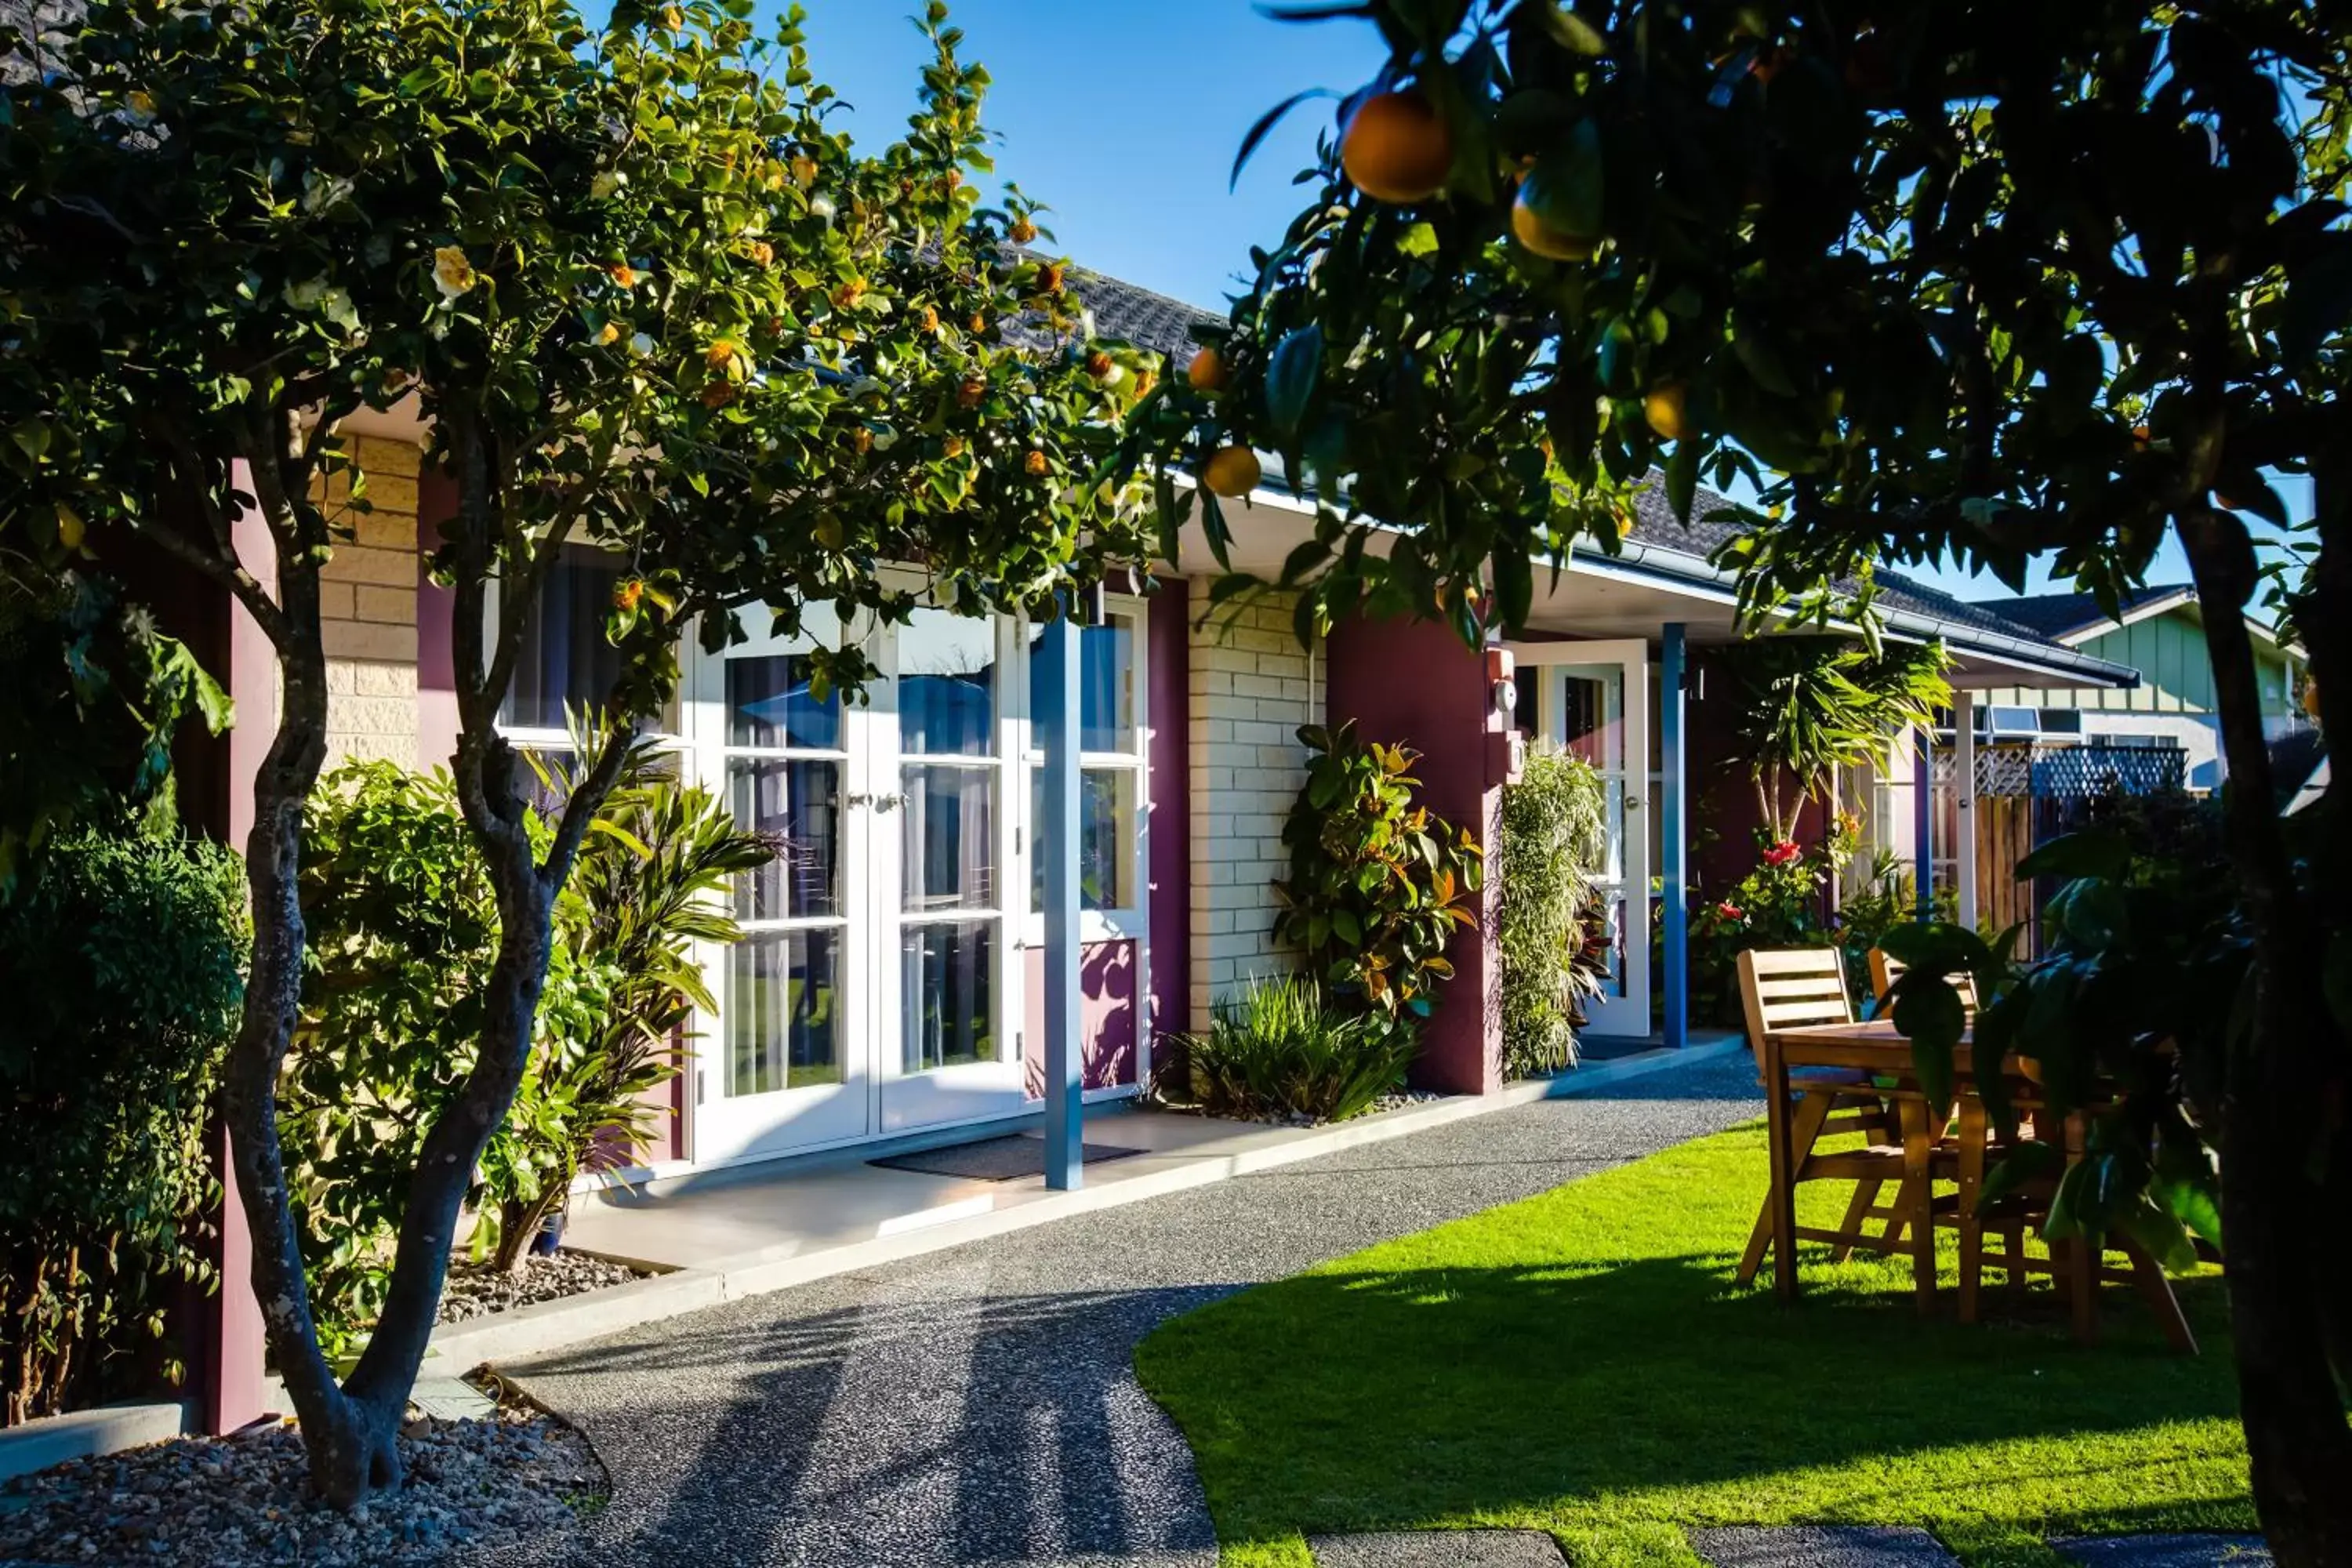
{"type": "Point", "coordinates": [1252, 686]}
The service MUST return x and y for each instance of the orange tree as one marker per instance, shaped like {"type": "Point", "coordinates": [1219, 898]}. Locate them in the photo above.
{"type": "Point", "coordinates": [1975, 279]}
{"type": "Point", "coordinates": [647, 298]}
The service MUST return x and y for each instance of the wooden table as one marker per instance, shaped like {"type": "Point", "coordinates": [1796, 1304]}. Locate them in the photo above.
{"type": "Point", "coordinates": [1877, 1047]}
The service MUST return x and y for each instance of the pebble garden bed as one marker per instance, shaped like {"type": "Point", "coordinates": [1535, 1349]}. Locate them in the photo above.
{"type": "Point", "coordinates": [474, 1487]}
{"type": "Point", "coordinates": [478, 1292]}
{"type": "Point", "coordinates": [1397, 1102]}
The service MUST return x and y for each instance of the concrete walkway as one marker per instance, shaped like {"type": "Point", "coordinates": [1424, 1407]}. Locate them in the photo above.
{"type": "Point", "coordinates": [979, 1404]}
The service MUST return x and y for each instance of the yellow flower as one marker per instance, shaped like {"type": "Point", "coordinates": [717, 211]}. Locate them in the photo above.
{"type": "Point", "coordinates": [952, 447]}
{"type": "Point", "coordinates": [762, 252]}
{"type": "Point", "coordinates": [805, 172]}
{"type": "Point", "coordinates": [1034, 464]}
{"type": "Point", "coordinates": [721, 355]}
{"type": "Point", "coordinates": [623, 274]}
{"type": "Point", "coordinates": [611, 333]}
{"type": "Point", "coordinates": [452, 273]}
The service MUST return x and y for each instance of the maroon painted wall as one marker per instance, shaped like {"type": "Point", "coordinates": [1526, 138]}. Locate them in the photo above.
{"type": "Point", "coordinates": [1725, 816]}
{"type": "Point", "coordinates": [436, 670]}
{"type": "Point", "coordinates": [1168, 701]}
{"type": "Point", "coordinates": [1413, 683]}
{"type": "Point", "coordinates": [1107, 1019]}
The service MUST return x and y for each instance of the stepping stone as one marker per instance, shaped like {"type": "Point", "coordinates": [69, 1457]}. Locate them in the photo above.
{"type": "Point", "coordinates": [1819, 1546]}
{"type": "Point", "coordinates": [2192, 1551]}
{"type": "Point", "coordinates": [1437, 1549]}
{"type": "Point", "coordinates": [451, 1399]}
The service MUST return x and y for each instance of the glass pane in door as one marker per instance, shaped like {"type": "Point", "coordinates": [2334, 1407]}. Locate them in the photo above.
{"type": "Point", "coordinates": [947, 1006]}
{"type": "Point", "coordinates": [949, 854]}
{"type": "Point", "coordinates": [947, 686]}
{"type": "Point", "coordinates": [794, 802]}
{"type": "Point", "coordinates": [783, 1011]}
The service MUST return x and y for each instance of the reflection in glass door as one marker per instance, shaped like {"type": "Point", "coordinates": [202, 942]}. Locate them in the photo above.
{"type": "Point", "coordinates": [950, 1056]}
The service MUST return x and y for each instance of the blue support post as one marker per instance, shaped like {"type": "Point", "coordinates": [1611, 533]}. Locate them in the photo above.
{"type": "Point", "coordinates": [1055, 703]}
{"type": "Point", "coordinates": [1673, 835]}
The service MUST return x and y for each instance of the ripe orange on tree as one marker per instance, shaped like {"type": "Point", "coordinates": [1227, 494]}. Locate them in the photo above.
{"type": "Point", "coordinates": [1667, 409]}
{"type": "Point", "coordinates": [1397, 148]}
{"type": "Point", "coordinates": [1207, 372]}
{"type": "Point", "coordinates": [1231, 472]}
{"type": "Point", "coordinates": [1530, 230]}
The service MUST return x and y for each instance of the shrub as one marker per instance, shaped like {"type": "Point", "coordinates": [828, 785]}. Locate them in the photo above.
{"type": "Point", "coordinates": [1778, 904]}
{"type": "Point", "coordinates": [1553, 840]}
{"type": "Point", "coordinates": [1378, 886]}
{"type": "Point", "coordinates": [1283, 1047]}
{"type": "Point", "coordinates": [404, 931]}
{"type": "Point", "coordinates": [121, 957]}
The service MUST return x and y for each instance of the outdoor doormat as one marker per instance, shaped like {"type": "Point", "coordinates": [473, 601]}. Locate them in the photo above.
{"type": "Point", "coordinates": [1005, 1159]}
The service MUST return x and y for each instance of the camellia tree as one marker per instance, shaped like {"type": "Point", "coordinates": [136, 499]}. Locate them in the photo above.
{"type": "Point", "coordinates": [1979, 280]}
{"type": "Point", "coordinates": [647, 299]}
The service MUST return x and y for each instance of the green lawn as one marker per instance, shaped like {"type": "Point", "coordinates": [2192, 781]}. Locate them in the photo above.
{"type": "Point", "coordinates": [1582, 1363]}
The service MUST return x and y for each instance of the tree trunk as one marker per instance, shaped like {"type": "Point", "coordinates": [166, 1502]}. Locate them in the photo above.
{"type": "Point", "coordinates": [2275, 1125]}
{"type": "Point", "coordinates": [351, 1448]}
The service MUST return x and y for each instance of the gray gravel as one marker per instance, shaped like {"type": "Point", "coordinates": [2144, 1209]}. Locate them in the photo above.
{"type": "Point", "coordinates": [1820, 1546]}
{"type": "Point", "coordinates": [2189, 1550]}
{"type": "Point", "coordinates": [478, 1292]}
{"type": "Point", "coordinates": [1437, 1549]}
{"type": "Point", "coordinates": [484, 1487]}
{"type": "Point", "coordinates": [979, 1404]}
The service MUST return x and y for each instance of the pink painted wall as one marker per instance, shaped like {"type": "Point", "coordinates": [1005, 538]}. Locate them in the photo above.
{"type": "Point", "coordinates": [1106, 1015]}
{"type": "Point", "coordinates": [436, 677]}
{"type": "Point", "coordinates": [1168, 699]}
{"type": "Point", "coordinates": [1415, 683]}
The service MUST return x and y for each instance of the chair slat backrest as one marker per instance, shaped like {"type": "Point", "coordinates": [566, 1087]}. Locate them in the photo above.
{"type": "Point", "coordinates": [1787, 988]}
{"type": "Point", "coordinates": [1885, 969]}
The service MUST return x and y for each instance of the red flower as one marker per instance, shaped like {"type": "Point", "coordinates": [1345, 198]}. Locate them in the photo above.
{"type": "Point", "coordinates": [1731, 911]}
{"type": "Point", "coordinates": [1781, 854]}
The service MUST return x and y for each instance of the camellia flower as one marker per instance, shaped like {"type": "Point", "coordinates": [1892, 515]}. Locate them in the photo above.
{"type": "Point", "coordinates": [452, 273]}
{"type": "Point", "coordinates": [721, 355]}
{"type": "Point", "coordinates": [1731, 911]}
{"type": "Point", "coordinates": [1034, 464]}
{"type": "Point", "coordinates": [1781, 854]}
{"type": "Point", "coordinates": [623, 274]}
{"type": "Point", "coordinates": [805, 170]}
{"type": "Point", "coordinates": [609, 333]}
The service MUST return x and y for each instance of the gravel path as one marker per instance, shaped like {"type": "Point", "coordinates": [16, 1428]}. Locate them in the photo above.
{"type": "Point", "coordinates": [979, 1404]}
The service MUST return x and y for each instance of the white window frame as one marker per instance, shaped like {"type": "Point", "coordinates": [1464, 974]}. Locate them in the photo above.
{"type": "Point", "coordinates": [1132, 920]}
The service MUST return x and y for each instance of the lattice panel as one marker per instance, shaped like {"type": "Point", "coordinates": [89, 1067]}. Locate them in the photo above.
{"type": "Point", "coordinates": [2070, 773]}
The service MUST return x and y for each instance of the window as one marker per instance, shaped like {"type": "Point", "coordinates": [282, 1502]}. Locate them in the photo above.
{"type": "Point", "coordinates": [566, 662]}
{"type": "Point", "coordinates": [566, 666]}
{"type": "Point", "coordinates": [1110, 768]}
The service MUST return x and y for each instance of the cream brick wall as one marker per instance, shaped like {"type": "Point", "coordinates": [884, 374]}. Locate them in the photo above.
{"type": "Point", "coordinates": [369, 609]}
{"type": "Point", "coordinates": [1252, 686]}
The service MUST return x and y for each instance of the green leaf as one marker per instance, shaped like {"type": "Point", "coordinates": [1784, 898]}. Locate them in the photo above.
{"type": "Point", "coordinates": [1567, 188]}
{"type": "Point", "coordinates": [2093, 852]}
{"type": "Point", "coordinates": [1291, 374]}
{"type": "Point", "coordinates": [1418, 240]}
{"type": "Point", "coordinates": [1682, 478]}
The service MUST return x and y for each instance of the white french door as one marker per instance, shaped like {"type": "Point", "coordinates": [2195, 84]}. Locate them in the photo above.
{"type": "Point", "coordinates": [874, 986]}
{"type": "Point", "coordinates": [1593, 699]}
{"type": "Point", "coordinates": [785, 1063]}
{"type": "Point", "coordinates": [947, 990]}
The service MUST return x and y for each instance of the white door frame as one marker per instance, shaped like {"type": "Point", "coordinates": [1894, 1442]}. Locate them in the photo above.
{"type": "Point", "coordinates": [1625, 1009]}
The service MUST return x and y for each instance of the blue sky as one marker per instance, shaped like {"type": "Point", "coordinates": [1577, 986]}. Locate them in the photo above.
{"type": "Point", "coordinates": [1124, 116]}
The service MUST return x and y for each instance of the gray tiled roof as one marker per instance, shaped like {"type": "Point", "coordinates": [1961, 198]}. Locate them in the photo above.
{"type": "Point", "coordinates": [1153, 320]}
{"type": "Point", "coordinates": [2056, 614]}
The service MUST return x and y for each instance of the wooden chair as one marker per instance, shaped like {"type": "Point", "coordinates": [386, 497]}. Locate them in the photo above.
{"type": "Point", "coordinates": [1886, 970]}
{"type": "Point", "coordinates": [1784, 990]}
